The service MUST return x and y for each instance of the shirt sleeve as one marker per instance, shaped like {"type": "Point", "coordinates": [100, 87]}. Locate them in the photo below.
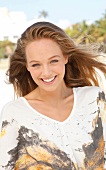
{"type": "Point", "coordinates": [8, 140]}
{"type": "Point", "coordinates": [102, 106]}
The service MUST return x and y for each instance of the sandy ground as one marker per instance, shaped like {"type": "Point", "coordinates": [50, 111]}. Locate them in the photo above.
{"type": "Point", "coordinates": [6, 90]}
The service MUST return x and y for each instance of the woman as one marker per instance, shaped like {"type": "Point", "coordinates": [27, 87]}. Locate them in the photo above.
{"type": "Point", "coordinates": [58, 120]}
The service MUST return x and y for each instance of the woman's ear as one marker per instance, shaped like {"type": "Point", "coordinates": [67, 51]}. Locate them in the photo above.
{"type": "Point", "coordinates": [66, 59]}
{"type": "Point", "coordinates": [27, 67]}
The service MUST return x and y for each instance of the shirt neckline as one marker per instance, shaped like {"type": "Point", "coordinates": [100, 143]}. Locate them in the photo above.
{"type": "Point", "coordinates": [51, 119]}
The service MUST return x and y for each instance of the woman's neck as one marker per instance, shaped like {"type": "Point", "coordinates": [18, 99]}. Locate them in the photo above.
{"type": "Point", "coordinates": [56, 95]}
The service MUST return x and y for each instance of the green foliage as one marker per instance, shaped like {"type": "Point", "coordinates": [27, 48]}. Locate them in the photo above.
{"type": "Point", "coordinates": [43, 14]}
{"type": "Point", "coordinates": [1, 53]}
{"type": "Point", "coordinates": [94, 32]}
{"type": "Point", "coordinates": [3, 45]}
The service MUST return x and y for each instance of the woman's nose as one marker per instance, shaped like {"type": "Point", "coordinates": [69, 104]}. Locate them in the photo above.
{"type": "Point", "coordinates": [46, 71]}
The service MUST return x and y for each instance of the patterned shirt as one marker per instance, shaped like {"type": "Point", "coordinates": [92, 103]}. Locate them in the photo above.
{"type": "Point", "coordinates": [30, 140]}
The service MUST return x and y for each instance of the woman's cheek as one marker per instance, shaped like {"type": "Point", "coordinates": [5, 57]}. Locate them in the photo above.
{"type": "Point", "coordinates": [35, 74]}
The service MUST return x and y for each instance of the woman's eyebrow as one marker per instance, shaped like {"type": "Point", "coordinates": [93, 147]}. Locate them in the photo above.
{"type": "Point", "coordinates": [54, 56]}
{"type": "Point", "coordinates": [33, 61]}
{"type": "Point", "coordinates": [48, 58]}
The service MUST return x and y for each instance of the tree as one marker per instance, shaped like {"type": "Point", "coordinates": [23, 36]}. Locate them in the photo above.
{"type": "Point", "coordinates": [43, 14]}
{"type": "Point", "coordinates": [96, 32]}
{"type": "Point", "coordinates": [6, 48]}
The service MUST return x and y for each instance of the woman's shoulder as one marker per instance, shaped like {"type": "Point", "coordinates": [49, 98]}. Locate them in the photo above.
{"type": "Point", "coordinates": [12, 106]}
{"type": "Point", "coordinates": [93, 90]}
{"type": "Point", "coordinates": [88, 94]}
{"type": "Point", "coordinates": [13, 103]}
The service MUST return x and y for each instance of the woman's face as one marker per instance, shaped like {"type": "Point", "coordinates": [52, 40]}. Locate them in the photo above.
{"type": "Point", "coordinates": [46, 63]}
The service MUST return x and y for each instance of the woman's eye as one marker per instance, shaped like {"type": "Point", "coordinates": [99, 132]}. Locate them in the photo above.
{"type": "Point", "coordinates": [35, 65]}
{"type": "Point", "coordinates": [54, 61]}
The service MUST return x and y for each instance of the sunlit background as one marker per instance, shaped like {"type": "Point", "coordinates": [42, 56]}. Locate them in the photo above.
{"type": "Point", "coordinates": [79, 18]}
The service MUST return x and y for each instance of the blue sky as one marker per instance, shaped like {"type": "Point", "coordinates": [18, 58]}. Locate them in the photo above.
{"type": "Point", "coordinates": [72, 10]}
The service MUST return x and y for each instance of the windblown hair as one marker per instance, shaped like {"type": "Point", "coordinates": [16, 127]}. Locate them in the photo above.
{"type": "Point", "coordinates": [80, 69]}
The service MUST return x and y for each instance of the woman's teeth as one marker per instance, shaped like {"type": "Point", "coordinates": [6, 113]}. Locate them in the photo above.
{"type": "Point", "coordinates": [48, 80]}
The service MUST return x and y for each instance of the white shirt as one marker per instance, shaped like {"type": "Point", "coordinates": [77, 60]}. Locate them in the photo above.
{"type": "Point", "coordinates": [30, 139]}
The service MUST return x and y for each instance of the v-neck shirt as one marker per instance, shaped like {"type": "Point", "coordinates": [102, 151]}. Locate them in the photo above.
{"type": "Point", "coordinates": [30, 139]}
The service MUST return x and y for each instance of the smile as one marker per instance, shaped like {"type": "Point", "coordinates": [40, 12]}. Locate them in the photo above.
{"type": "Point", "coordinates": [48, 80]}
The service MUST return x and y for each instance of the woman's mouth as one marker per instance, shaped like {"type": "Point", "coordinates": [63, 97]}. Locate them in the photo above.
{"type": "Point", "coordinates": [49, 80]}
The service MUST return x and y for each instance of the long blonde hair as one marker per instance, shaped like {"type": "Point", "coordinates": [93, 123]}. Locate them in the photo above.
{"type": "Point", "coordinates": [80, 69]}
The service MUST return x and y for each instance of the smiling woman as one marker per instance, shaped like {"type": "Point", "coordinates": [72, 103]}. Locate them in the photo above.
{"type": "Point", "coordinates": [59, 119]}
{"type": "Point", "coordinates": [46, 64]}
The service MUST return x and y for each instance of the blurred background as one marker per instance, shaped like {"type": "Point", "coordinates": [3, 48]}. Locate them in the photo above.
{"type": "Point", "coordinates": [79, 18]}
